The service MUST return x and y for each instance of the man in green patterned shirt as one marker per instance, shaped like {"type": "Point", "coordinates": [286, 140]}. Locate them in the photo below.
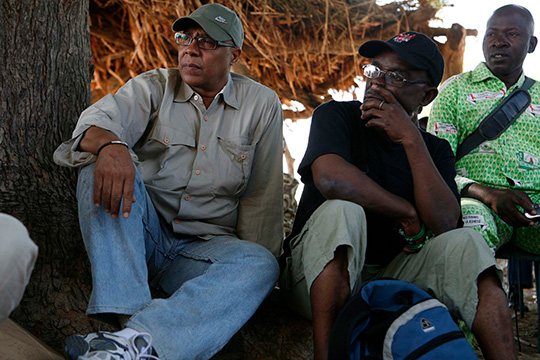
{"type": "Point", "coordinates": [499, 179]}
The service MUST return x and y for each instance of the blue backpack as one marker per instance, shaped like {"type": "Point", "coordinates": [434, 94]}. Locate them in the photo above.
{"type": "Point", "coordinates": [393, 319]}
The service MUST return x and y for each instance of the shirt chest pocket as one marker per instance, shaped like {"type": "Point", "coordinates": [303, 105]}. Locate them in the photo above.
{"type": "Point", "coordinates": [159, 157]}
{"type": "Point", "coordinates": [233, 167]}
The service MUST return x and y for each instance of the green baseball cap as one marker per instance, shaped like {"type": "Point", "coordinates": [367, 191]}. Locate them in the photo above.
{"type": "Point", "coordinates": [219, 22]}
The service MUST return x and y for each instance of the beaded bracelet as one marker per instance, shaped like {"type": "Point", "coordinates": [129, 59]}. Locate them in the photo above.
{"type": "Point", "coordinates": [411, 240]}
{"type": "Point", "coordinates": [415, 247]}
{"type": "Point", "coordinates": [114, 142]}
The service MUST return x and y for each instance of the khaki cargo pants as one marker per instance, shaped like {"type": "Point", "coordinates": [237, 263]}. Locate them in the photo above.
{"type": "Point", "coordinates": [447, 267]}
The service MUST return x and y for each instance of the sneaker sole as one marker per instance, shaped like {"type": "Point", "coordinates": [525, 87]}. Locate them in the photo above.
{"type": "Point", "coordinates": [76, 346]}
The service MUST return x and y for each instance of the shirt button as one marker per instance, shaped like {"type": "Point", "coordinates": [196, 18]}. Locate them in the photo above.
{"type": "Point", "coordinates": [203, 147]}
{"type": "Point", "coordinates": [243, 157]}
{"type": "Point", "coordinates": [177, 221]}
{"type": "Point", "coordinates": [167, 141]}
{"type": "Point", "coordinates": [187, 198]}
{"type": "Point", "coordinates": [196, 97]}
{"type": "Point", "coordinates": [198, 172]}
{"type": "Point", "coordinates": [206, 118]}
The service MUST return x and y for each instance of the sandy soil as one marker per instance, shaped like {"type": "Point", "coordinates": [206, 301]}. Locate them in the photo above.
{"type": "Point", "coordinates": [527, 326]}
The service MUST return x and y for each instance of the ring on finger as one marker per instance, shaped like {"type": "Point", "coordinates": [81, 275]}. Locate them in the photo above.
{"type": "Point", "coordinates": [381, 105]}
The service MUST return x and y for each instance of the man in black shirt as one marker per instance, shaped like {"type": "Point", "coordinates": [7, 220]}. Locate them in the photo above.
{"type": "Point", "coordinates": [380, 201]}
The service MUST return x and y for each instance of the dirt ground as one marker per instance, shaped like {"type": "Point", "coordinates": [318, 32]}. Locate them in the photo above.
{"type": "Point", "coordinates": [527, 326]}
{"type": "Point", "coordinates": [528, 332]}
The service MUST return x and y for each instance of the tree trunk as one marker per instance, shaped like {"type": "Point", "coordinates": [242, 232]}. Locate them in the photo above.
{"type": "Point", "coordinates": [453, 51]}
{"type": "Point", "coordinates": [45, 72]}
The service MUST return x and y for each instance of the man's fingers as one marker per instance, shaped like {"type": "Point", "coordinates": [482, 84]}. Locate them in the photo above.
{"type": "Point", "coordinates": [526, 204]}
{"type": "Point", "coordinates": [116, 197]}
{"type": "Point", "coordinates": [98, 184]}
{"type": "Point", "coordinates": [128, 198]}
{"type": "Point", "coordinates": [510, 204]}
{"type": "Point", "coordinates": [514, 217]}
{"type": "Point", "coordinates": [370, 113]}
{"type": "Point", "coordinates": [115, 175]}
{"type": "Point", "coordinates": [389, 98]}
{"type": "Point", "coordinates": [106, 194]}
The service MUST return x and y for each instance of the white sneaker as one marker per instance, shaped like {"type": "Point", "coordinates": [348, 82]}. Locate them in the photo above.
{"type": "Point", "coordinates": [107, 346]}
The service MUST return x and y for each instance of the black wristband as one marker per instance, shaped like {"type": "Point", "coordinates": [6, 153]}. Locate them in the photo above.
{"type": "Point", "coordinates": [114, 142]}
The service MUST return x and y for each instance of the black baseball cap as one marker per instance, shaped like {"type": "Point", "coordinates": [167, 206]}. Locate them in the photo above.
{"type": "Point", "coordinates": [415, 48]}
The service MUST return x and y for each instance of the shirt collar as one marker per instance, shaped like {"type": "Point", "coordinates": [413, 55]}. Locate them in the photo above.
{"type": "Point", "coordinates": [230, 93]}
{"type": "Point", "coordinates": [482, 73]}
{"type": "Point", "coordinates": [184, 92]}
{"type": "Point", "coordinates": [520, 81]}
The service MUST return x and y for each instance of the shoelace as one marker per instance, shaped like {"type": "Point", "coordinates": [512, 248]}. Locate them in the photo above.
{"type": "Point", "coordinates": [141, 355]}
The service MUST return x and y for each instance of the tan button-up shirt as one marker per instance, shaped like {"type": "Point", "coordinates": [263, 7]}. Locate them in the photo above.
{"type": "Point", "coordinates": [215, 171]}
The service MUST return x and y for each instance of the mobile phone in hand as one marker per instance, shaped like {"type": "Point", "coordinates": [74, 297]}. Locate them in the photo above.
{"type": "Point", "coordinates": [534, 217]}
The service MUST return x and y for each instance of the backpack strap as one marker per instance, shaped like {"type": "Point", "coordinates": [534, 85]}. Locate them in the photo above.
{"type": "Point", "coordinates": [497, 121]}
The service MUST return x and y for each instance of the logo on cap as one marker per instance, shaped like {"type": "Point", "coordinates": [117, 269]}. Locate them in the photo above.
{"type": "Point", "coordinates": [220, 19]}
{"type": "Point", "coordinates": [403, 37]}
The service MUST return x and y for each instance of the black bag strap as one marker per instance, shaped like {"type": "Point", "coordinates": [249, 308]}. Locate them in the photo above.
{"type": "Point", "coordinates": [497, 121]}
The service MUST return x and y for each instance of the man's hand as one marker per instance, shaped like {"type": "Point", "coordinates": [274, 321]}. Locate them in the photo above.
{"type": "Point", "coordinates": [114, 179]}
{"type": "Point", "coordinates": [504, 202]}
{"type": "Point", "coordinates": [382, 110]}
{"type": "Point", "coordinates": [114, 176]}
{"type": "Point", "coordinates": [411, 227]}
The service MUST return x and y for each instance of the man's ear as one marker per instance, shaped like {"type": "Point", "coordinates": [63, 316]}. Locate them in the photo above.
{"type": "Point", "coordinates": [532, 44]}
{"type": "Point", "coordinates": [235, 55]}
{"type": "Point", "coordinates": [430, 95]}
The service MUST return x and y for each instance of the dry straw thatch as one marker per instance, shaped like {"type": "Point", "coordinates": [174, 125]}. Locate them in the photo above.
{"type": "Point", "coordinates": [300, 48]}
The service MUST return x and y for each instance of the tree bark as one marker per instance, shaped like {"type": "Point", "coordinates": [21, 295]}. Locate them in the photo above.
{"type": "Point", "coordinates": [453, 51]}
{"type": "Point", "coordinates": [45, 73]}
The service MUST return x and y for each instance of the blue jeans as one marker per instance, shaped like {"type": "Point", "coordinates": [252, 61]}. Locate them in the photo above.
{"type": "Point", "coordinates": [216, 285]}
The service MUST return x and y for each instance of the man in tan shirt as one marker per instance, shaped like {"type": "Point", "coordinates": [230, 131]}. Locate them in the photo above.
{"type": "Point", "coordinates": [177, 167]}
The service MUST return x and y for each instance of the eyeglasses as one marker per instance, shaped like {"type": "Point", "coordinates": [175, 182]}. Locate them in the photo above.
{"type": "Point", "coordinates": [391, 78]}
{"type": "Point", "coordinates": [202, 42]}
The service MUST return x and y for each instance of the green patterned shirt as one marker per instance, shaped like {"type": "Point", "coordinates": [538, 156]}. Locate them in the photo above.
{"type": "Point", "coordinates": [511, 160]}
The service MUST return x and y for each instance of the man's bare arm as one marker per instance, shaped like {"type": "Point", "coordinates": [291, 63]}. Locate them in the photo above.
{"type": "Point", "coordinates": [503, 202]}
{"type": "Point", "coordinates": [336, 178]}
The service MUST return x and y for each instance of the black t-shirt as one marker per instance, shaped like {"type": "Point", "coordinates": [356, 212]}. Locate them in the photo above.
{"type": "Point", "coordinates": [337, 128]}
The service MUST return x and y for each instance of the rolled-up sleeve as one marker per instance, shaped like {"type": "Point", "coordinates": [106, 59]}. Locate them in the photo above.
{"type": "Point", "coordinates": [126, 114]}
